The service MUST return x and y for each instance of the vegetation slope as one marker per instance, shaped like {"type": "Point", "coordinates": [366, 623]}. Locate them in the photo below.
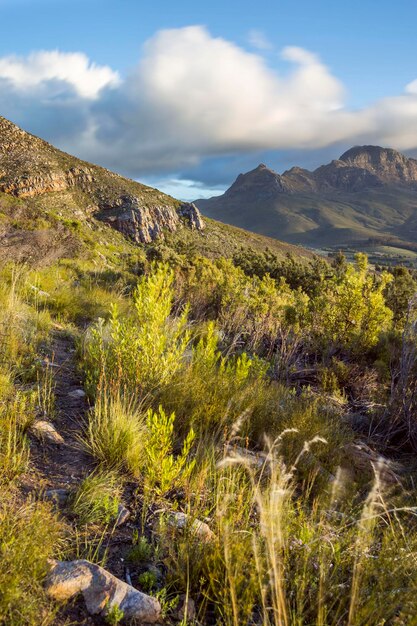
{"type": "Point", "coordinates": [268, 397]}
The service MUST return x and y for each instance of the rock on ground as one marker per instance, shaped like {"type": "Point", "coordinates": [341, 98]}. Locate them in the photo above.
{"type": "Point", "coordinates": [186, 610]}
{"type": "Point", "coordinates": [361, 462]}
{"type": "Point", "coordinates": [123, 515]}
{"type": "Point", "coordinates": [182, 522]}
{"type": "Point", "coordinates": [59, 497]}
{"type": "Point", "coordinates": [101, 591]}
{"type": "Point", "coordinates": [77, 393]}
{"type": "Point", "coordinates": [45, 431]}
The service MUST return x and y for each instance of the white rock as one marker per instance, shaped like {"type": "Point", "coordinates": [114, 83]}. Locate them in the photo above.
{"type": "Point", "coordinates": [77, 393]}
{"type": "Point", "coordinates": [46, 431]}
{"type": "Point", "coordinates": [183, 522]}
{"type": "Point", "coordinates": [101, 591]}
{"type": "Point", "coordinates": [123, 515]}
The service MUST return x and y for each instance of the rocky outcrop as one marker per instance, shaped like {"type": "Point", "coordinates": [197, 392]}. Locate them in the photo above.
{"type": "Point", "coordinates": [192, 215]}
{"type": "Point", "coordinates": [101, 591]}
{"type": "Point", "coordinates": [144, 224]}
{"type": "Point", "coordinates": [27, 186]}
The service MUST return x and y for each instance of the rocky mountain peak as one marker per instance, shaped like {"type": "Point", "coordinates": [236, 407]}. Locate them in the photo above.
{"type": "Point", "coordinates": [259, 181]}
{"type": "Point", "coordinates": [389, 165]}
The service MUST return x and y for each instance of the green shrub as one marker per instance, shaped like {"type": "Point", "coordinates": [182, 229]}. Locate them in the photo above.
{"type": "Point", "coordinates": [351, 312]}
{"type": "Point", "coordinates": [140, 353]}
{"type": "Point", "coordinates": [212, 393]}
{"type": "Point", "coordinates": [29, 535]}
{"type": "Point", "coordinates": [115, 433]}
{"type": "Point", "coordinates": [162, 470]}
{"type": "Point", "coordinates": [114, 615]}
{"type": "Point", "coordinates": [140, 552]}
{"type": "Point", "coordinates": [97, 498]}
{"type": "Point", "coordinates": [147, 581]}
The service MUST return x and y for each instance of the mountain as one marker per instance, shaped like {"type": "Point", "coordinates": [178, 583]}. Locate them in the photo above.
{"type": "Point", "coordinates": [368, 192]}
{"type": "Point", "coordinates": [50, 202]}
{"type": "Point", "coordinates": [31, 167]}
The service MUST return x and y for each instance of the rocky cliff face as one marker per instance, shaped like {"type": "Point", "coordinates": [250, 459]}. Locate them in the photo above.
{"type": "Point", "coordinates": [26, 185]}
{"type": "Point", "coordinates": [389, 166]}
{"type": "Point", "coordinates": [30, 167]}
{"type": "Point", "coordinates": [143, 224]}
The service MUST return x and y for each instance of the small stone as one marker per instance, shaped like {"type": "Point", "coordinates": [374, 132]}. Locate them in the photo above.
{"type": "Point", "coordinates": [58, 496]}
{"type": "Point", "coordinates": [101, 591]}
{"type": "Point", "coordinates": [46, 431]}
{"type": "Point", "coordinates": [186, 609]}
{"type": "Point", "coordinates": [123, 515]}
{"type": "Point", "coordinates": [258, 459]}
{"type": "Point", "coordinates": [183, 522]}
{"type": "Point", "coordinates": [77, 393]}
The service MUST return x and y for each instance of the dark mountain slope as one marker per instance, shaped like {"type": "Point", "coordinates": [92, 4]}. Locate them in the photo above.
{"type": "Point", "coordinates": [368, 192]}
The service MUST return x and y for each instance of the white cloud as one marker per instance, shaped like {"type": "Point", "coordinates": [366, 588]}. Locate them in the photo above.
{"type": "Point", "coordinates": [190, 96]}
{"type": "Point", "coordinates": [74, 69]}
{"type": "Point", "coordinates": [259, 40]}
{"type": "Point", "coordinates": [184, 189]}
{"type": "Point", "coordinates": [412, 87]}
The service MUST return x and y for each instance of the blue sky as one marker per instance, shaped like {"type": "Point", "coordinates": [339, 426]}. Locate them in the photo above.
{"type": "Point", "coordinates": [308, 69]}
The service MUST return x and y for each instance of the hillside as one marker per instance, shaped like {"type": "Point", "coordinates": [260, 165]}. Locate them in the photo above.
{"type": "Point", "coordinates": [197, 423]}
{"type": "Point", "coordinates": [54, 205]}
{"type": "Point", "coordinates": [368, 192]}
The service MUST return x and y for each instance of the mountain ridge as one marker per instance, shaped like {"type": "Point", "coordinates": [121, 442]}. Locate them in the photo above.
{"type": "Point", "coordinates": [367, 192]}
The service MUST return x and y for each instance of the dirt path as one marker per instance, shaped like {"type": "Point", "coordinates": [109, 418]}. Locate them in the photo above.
{"type": "Point", "coordinates": [60, 466]}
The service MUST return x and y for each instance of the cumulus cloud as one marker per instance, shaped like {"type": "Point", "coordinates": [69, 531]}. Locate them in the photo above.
{"type": "Point", "coordinates": [193, 96]}
{"type": "Point", "coordinates": [72, 69]}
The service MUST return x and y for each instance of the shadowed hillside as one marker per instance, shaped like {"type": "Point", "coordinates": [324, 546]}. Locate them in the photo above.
{"type": "Point", "coordinates": [369, 191]}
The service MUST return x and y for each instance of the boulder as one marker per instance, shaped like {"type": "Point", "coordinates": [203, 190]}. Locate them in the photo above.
{"type": "Point", "coordinates": [101, 591]}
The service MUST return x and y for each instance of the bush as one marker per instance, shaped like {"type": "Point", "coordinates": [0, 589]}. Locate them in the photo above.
{"type": "Point", "coordinates": [141, 353]}
{"type": "Point", "coordinates": [97, 498]}
{"type": "Point", "coordinates": [115, 433]}
{"type": "Point", "coordinates": [351, 312]}
{"type": "Point", "coordinates": [162, 470]}
{"type": "Point", "coordinates": [29, 535]}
